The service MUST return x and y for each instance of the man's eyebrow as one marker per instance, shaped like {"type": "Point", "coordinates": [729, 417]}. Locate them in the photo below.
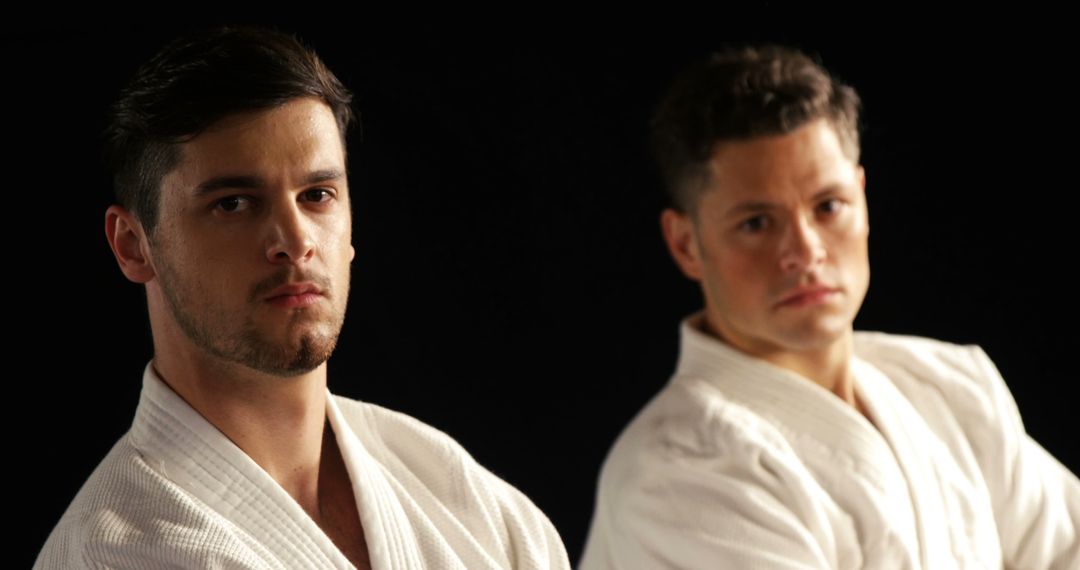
{"type": "Point", "coordinates": [827, 190]}
{"type": "Point", "coordinates": [220, 182]}
{"type": "Point", "coordinates": [242, 182]}
{"type": "Point", "coordinates": [324, 175]}
{"type": "Point", "coordinates": [749, 207]}
{"type": "Point", "coordinates": [758, 206]}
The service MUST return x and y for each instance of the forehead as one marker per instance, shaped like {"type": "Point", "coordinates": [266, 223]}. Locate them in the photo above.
{"type": "Point", "coordinates": [805, 160]}
{"type": "Point", "coordinates": [281, 144]}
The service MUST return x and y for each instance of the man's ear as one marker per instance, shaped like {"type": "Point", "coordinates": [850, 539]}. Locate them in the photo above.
{"type": "Point", "coordinates": [860, 176]}
{"type": "Point", "coordinates": [681, 239]}
{"type": "Point", "coordinates": [129, 244]}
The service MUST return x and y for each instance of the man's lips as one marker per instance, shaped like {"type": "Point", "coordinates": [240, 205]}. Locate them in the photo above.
{"type": "Point", "coordinates": [294, 295]}
{"type": "Point", "coordinates": [805, 296]}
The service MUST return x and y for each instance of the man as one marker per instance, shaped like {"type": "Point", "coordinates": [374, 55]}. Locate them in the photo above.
{"type": "Point", "coordinates": [228, 149]}
{"type": "Point", "coordinates": [785, 439]}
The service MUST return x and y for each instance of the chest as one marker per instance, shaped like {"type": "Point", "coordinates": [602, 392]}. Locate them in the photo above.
{"type": "Point", "coordinates": [911, 492]}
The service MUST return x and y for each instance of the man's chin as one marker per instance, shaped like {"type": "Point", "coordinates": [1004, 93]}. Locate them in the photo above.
{"type": "Point", "coordinates": [289, 365]}
{"type": "Point", "coordinates": [296, 356]}
{"type": "Point", "coordinates": [817, 336]}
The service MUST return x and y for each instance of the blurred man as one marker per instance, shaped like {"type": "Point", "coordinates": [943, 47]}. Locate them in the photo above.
{"type": "Point", "coordinates": [785, 439]}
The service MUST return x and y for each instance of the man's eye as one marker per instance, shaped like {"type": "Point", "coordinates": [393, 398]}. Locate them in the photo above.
{"type": "Point", "coordinates": [830, 206]}
{"type": "Point", "coordinates": [754, 225]}
{"type": "Point", "coordinates": [233, 204]}
{"type": "Point", "coordinates": [318, 195]}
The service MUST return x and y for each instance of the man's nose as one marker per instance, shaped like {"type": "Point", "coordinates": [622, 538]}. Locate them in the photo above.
{"type": "Point", "coordinates": [802, 247]}
{"type": "Point", "coordinates": [290, 238]}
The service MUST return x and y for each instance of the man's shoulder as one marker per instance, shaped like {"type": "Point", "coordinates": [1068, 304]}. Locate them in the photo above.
{"type": "Point", "coordinates": [883, 343]}
{"type": "Point", "coordinates": [892, 348]}
{"type": "Point", "coordinates": [129, 514]}
{"type": "Point", "coordinates": [959, 376]}
{"type": "Point", "coordinates": [438, 474]}
{"type": "Point", "coordinates": [120, 481]}
{"type": "Point", "coordinates": [396, 432]}
{"type": "Point", "coordinates": [402, 443]}
{"type": "Point", "coordinates": [691, 427]}
{"type": "Point", "coordinates": [928, 359]}
{"type": "Point", "coordinates": [696, 463]}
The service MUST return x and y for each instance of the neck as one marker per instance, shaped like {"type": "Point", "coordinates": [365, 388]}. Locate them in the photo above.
{"type": "Point", "coordinates": [828, 365]}
{"type": "Point", "coordinates": [278, 422]}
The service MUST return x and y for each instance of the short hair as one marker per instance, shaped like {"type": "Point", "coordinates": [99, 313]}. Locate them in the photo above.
{"type": "Point", "coordinates": [194, 82]}
{"type": "Point", "coordinates": [737, 95]}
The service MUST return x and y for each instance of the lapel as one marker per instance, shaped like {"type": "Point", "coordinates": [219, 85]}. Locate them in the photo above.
{"type": "Point", "coordinates": [845, 453]}
{"type": "Point", "coordinates": [391, 539]}
{"type": "Point", "coordinates": [183, 447]}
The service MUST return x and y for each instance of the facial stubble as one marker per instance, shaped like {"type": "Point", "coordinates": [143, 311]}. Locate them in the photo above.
{"type": "Point", "coordinates": [248, 346]}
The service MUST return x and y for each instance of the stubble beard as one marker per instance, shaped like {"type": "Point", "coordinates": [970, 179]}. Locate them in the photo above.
{"type": "Point", "coordinates": [247, 346]}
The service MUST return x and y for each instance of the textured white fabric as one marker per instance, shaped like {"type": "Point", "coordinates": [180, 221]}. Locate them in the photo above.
{"type": "Point", "coordinates": [737, 463]}
{"type": "Point", "coordinates": [174, 492]}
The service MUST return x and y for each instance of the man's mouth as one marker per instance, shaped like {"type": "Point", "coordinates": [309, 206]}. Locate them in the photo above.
{"type": "Point", "coordinates": [807, 296]}
{"type": "Point", "coordinates": [293, 295]}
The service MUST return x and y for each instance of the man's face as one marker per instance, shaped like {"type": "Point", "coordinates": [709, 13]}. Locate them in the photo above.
{"type": "Point", "coordinates": [779, 243]}
{"type": "Point", "coordinates": [253, 247]}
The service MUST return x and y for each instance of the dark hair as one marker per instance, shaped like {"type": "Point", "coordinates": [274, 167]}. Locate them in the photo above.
{"type": "Point", "coordinates": [741, 94]}
{"type": "Point", "coordinates": [192, 83]}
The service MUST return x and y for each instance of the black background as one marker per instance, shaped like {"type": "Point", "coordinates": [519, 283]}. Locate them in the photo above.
{"type": "Point", "coordinates": [510, 286]}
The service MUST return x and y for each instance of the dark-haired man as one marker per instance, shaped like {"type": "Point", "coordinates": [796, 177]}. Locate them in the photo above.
{"type": "Point", "coordinates": [785, 439]}
{"type": "Point", "coordinates": [228, 149]}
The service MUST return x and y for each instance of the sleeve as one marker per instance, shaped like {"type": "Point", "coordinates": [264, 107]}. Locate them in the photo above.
{"type": "Point", "coordinates": [1036, 500]}
{"type": "Point", "coordinates": [743, 508]}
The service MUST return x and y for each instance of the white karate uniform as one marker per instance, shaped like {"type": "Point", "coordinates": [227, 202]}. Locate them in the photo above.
{"type": "Point", "coordinates": [174, 492]}
{"type": "Point", "coordinates": [738, 463]}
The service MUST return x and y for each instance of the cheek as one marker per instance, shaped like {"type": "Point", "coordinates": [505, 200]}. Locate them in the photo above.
{"type": "Point", "coordinates": [853, 250]}
{"type": "Point", "coordinates": [859, 229]}
{"type": "Point", "coordinates": [341, 251]}
{"type": "Point", "coordinates": [337, 234]}
{"type": "Point", "coordinates": [749, 259]}
{"type": "Point", "coordinates": [215, 265]}
{"type": "Point", "coordinates": [222, 266]}
{"type": "Point", "coordinates": [738, 274]}
{"type": "Point", "coordinates": [338, 250]}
